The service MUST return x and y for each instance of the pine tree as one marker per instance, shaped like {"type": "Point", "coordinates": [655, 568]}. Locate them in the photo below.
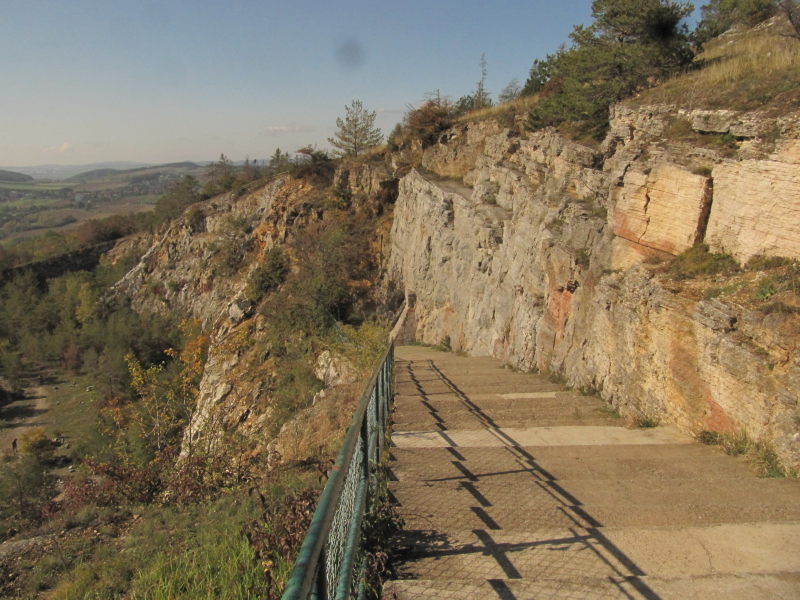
{"type": "Point", "coordinates": [511, 92]}
{"type": "Point", "coordinates": [720, 15]}
{"type": "Point", "coordinates": [630, 44]}
{"type": "Point", "coordinates": [482, 98]}
{"type": "Point", "coordinates": [356, 132]}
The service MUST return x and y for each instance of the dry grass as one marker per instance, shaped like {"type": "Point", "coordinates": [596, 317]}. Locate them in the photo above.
{"type": "Point", "coordinates": [319, 429]}
{"type": "Point", "coordinates": [375, 153]}
{"type": "Point", "coordinates": [758, 68]}
{"type": "Point", "coordinates": [770, 285]}
{"type": "Point", "coordinates": [520, 106]}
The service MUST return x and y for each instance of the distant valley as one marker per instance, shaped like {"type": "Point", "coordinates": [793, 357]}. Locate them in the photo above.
{"type": "Point", "coordinates": [31, 205]}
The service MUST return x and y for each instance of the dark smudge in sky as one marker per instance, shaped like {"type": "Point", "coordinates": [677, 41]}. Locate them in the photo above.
{"type": "Point", "coordinates": [350, 54]}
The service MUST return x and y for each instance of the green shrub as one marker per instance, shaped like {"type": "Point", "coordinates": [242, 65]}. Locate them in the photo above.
{"type": "Point", "coordinates": [628, 45]}
{"type": "Point", "coordinates": [427, 122]}
{"type": "Point", "coordinates": [444, 344]}
{"type": "Point", "coordinates": [737, 443]}
{"type": "Point", "coordinates": [196, 219]}
{"type": "Point", "coordinates": [267, 276]}
{"type": "Point", "coordinates": [232, 245]}
{"type": "Point", "coordinates": [698, 261]}
{"type": "Point", "coordinates": [761, 454]}
{"type": "Point", "coordinates": [766, 289]}
{"type": "Point", "coordinates": [760, 262]}
{"type": "Point", "coordinates": [316, 167]}
{"type": "Point", "coordinates": [179, 195]}
{"type": "Point", "coordinates": [766, 461]}
{"type": "Point", "coordinates": [647, 421]}
{"type": "Point", "coordinates": [710, 438]}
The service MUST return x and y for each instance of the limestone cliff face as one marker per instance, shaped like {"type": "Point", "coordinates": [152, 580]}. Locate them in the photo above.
{"type": "Point", "coordinates": [543, 260]}
{"type": "Point", "coordinates": [178, 272]}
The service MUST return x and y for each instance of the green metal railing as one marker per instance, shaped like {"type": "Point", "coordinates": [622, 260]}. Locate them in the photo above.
{"type": "Point", "coordinates": [331, 561]}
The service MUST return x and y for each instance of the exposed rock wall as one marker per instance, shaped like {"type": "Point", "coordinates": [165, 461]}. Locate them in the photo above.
{"type": "Point", "coordinates": [756, 207]}
{"type": "Point", "coordinates": [178, 272]}
{"type": "Point", "coordinates": [540, 263]}
{"type": "Point", "coordinates": [186, 273]}
{"type": "Point", "coordinates": [665, 209]}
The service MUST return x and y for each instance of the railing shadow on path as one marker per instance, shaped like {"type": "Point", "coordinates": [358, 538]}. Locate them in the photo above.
{"type": "Point", "coordinates": [585, 532]}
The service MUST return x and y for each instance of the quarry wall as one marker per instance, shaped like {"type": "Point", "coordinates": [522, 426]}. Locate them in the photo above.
{"type": "Point", "coordinates": [544, 253]}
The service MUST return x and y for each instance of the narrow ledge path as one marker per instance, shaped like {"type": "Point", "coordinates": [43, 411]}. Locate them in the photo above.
{"type": "Point", "coordinates": [514, 488]}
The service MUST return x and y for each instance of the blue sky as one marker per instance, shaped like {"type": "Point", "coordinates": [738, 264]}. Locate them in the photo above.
{"type": "Point", "coordinates": [158, 81]}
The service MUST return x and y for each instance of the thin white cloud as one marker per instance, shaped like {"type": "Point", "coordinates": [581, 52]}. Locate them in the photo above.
{"type": "Point", "coordinates": [284, 129]}
{"type": "Point", "coordinates": [61, 148]}
{"type": "Point", "coordinates": [389, 111]}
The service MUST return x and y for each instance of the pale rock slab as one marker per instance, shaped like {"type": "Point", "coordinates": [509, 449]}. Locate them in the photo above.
{"type": "Point", "coordinates": [663, 210]}
{"type": "Point", "coordinates": [756, 208]}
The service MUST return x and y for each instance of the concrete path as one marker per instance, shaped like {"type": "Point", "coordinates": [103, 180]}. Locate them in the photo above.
{"type": "Point", "coordinates": [512, 488]}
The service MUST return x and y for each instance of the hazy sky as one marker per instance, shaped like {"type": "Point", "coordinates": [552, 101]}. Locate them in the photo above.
{"type": "Point", "coordinates": [157, 81]}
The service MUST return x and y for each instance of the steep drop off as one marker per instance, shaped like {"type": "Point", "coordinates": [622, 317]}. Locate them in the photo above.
{"type": "Point", "coordinates": [264, 379]}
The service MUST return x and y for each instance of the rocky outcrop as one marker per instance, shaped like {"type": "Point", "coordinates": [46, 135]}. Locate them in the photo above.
{"type": "Point", "coordinates": [665, 209]}
{"type": "Point", "coordinates": [198, 270]}
{"type": "Point", "coordinates": [182, 270]}
{"type": "Point", "coordinates": [187, 273]}
{"type": "Point", "coordinates": [668, 185]}
{"type": "Point", "coordinates": [756, 207]}
{"type": "Point", "coordinates": [541, 260]}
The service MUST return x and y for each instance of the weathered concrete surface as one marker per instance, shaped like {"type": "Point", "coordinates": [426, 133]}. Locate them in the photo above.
{"type": "Point", "coordinates": [570, 506]}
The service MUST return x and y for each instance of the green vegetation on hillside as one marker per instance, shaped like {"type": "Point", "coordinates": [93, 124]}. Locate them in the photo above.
{"type": "Point", "coordinates": [628, 45]}
{"type": "Point", "coordinates": [638, 52]}
{"type": "Point", "coordinates": [13, 176]}
{"type": "Point", "coordinates": [129, 490]}
{"type": "Point", "coordinates": [720, 15]}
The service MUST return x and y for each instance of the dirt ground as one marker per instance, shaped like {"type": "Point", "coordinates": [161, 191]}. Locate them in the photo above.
{"type": "Point", "coordinates": [23, 414]}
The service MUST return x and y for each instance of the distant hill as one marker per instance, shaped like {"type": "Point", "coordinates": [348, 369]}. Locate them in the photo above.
{"type": "Point", "coordinates": [14, 176]}
{"type": "Point", "coordinates": [60, 172]}
{"type": "Point", "coordinates": [105, 173]}
{"type": "Point", "coordinates": [95, 174]}
{"type": "Point", "coordinates": [181, 165]}
{"type": "Point", "coordinates": [94, 170]}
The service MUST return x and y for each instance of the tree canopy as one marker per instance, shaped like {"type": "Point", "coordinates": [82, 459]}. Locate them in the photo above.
{"type": "Point", "coordinates": [356, 133]}
{"type": "Point", "coordinates": [717, 16]}
{"type": "Point", "coordinates": [629, 44]}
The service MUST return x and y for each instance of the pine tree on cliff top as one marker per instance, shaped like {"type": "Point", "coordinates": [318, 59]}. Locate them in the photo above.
{"type": "Point", "coordinates": [356, 132]}
{"type": "Point", "coordinates": [629, 45]}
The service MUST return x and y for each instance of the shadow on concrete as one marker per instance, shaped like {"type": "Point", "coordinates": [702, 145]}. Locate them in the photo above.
{"type": "Point", "coordinates": [586, 536]}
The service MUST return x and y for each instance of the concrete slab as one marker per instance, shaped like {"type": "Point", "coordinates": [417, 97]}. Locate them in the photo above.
{"type": "Point", "coordinates": [539, 436]}
{"type": "Point", "coordinates": [512, 488]}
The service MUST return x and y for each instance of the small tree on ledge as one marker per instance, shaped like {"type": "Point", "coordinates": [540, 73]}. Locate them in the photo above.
{"type": "Point", "coordinates": [355, 133]}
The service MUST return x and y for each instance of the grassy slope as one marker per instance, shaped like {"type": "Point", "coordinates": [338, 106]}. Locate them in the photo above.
{"type": "Point", "coordinates": [747, 70]}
